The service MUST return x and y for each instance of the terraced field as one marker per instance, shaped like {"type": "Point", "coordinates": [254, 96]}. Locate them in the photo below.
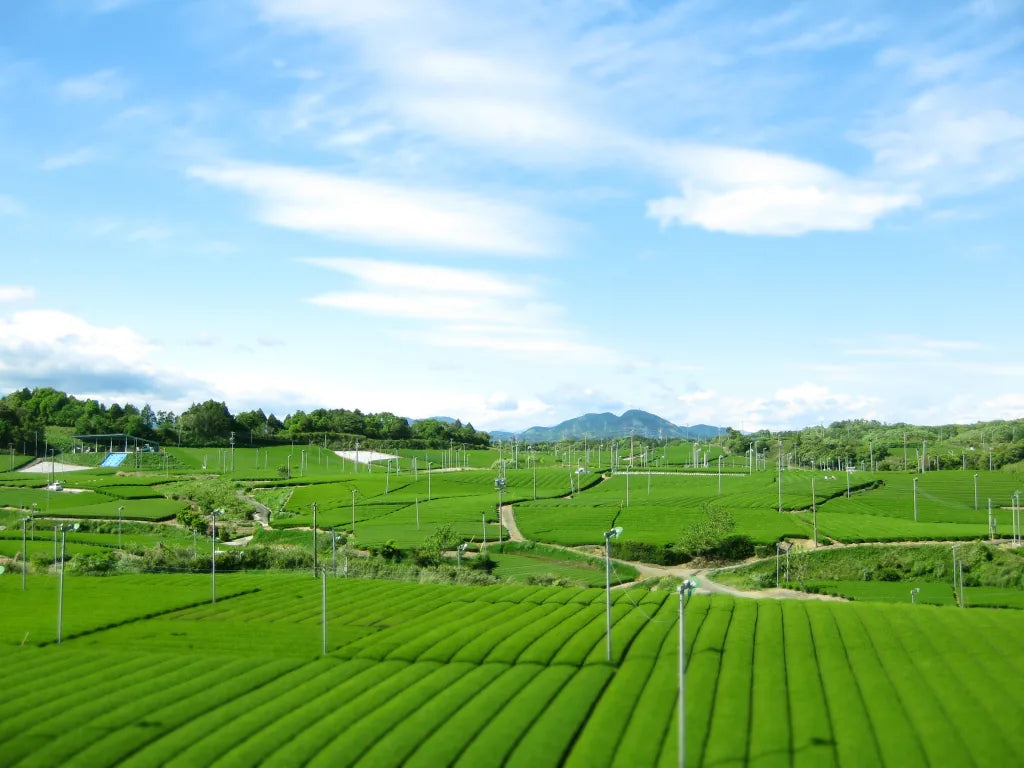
{"type": "Point", "coordinates": [429, 675]}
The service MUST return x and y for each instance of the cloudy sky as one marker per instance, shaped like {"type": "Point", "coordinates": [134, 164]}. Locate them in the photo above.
{"type": "Point", "coordinates": [515, 213]}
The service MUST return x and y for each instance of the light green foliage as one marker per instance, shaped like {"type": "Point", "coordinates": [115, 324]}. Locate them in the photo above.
{"type": "Point", "coordinates": [713, 525]}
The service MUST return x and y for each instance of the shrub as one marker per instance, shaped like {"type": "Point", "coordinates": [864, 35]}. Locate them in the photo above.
{"type": "Point", "coordinates": [735, 547]}
{"type": "Point", "coordinates": [483, 562]}
{"type": "Point", "coordinates": [94, 564]}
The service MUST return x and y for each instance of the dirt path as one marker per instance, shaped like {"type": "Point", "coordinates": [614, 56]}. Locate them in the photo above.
{"type": "Point", "coordinates": [649, 571]}
{"type": "Point", "coordinates": [508, 521]}
{"type": "Point", "coordinates": [261, 513]}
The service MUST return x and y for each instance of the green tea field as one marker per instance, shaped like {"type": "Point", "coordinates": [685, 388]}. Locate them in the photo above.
{"type": "Point", "coordinates": [151, 673]}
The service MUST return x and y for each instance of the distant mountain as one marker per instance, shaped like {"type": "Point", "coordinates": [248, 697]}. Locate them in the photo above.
{"type": "Point", "coordinates": [442, 419]}
{"type": "Point", "coordinates": [606, 425]}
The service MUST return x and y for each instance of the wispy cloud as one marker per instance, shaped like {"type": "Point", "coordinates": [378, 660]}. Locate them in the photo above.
{"type": "Point", "coordinates": [414, 276]}
{"type": "Point", "coordinates": [535, 104]}
{"type": "Point", "coordinates": [80, 156]}
{"type": "Point", "coordinates": [129, 231]}
{"type": "Point", "coordinates": [954, 139]}
{"type": "Point", "coordinates": [378, 212]}
{"type": "Point", "coordinates": [103, 85]}
{"type": "Point", "coordinates": [908, 346]}
{"type": "Point", "coordinates": [462, 308]}
{"type": "Point", "coordinates": [12, 293]}
{"type": "Point", "coordinates": [10, 207]}
{"type": "Point", "coordinates": [831, 34]}
{"type": "Point", "coordinates": [762, 193]}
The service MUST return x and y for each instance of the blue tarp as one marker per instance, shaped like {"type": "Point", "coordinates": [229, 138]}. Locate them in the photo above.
{"type": "Point", "coordinates": [114, 459]}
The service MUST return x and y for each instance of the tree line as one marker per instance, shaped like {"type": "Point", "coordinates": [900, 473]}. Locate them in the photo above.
{"type": "Point", "coordinates": [25, 414]}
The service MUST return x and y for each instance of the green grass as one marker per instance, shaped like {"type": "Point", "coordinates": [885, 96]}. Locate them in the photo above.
{"type": "Point", "coordinates": [523, 563]}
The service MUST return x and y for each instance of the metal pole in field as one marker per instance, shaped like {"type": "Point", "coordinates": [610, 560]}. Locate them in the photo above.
{"type": "Point", "coordinates": [915, 499]}
{"type": "Point", "coordinates": [483, 517]}
{"type": "Point", "coordinates": [814, 513]}
{"type": "Point", "coordinates": [60, 589]}
{"type": "Point", "coordinates": [991, 526]}
{"type": "Point", "coordinates": [1017, 517]}
{"type": "Point", "coordinates": [24, 528]}
{"type": "Point", "coordinates": [963, 600]}
{"type": "Point", "coordinates": [616, 532]}
{"type": "Point", "coordinates": [213, 555]}
{"type": "Point", "coordinates": [334, 553]}
{"type": "Point", "coordinates": [354, 511]}
{"type": "Point", "coordinates": [719, 475]}
{"type": "Point", "coordinates": [776, 565]}
{"type": "Point", "coordinates": [417, 513]}
{"type": "Point", "coordinates": [684, 589]}
{"type": "Point", "coordinates": [780, 477]}
{"type": "Point", "coordinates": [975, 491]}
{"type": "Point", "coordinates": [323, 603]}
{"type": "Point", "coordinates": [682, 678]}
{"type": "Point", "coordinates": [957, 590]}
{"type": "Point", "coordinates": [120, 511]}
{"type": "Point", "coordinates": [313, 505]}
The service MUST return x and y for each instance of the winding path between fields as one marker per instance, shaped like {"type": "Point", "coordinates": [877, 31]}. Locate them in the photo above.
{"type": "Point", "coordinates": [648, 571]}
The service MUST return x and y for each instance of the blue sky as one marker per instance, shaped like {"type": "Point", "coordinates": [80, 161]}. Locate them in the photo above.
{"type": "Point", "coordinates": [753, 215]}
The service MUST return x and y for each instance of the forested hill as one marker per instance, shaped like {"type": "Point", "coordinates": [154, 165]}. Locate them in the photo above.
{"type": "Point", "coordinates": [605, 425]}
{"type": "Point", "coordinates": [25, 416]}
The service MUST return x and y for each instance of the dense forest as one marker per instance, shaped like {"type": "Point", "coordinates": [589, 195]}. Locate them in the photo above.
{"type": "Point", "coordinates": [25, 414]}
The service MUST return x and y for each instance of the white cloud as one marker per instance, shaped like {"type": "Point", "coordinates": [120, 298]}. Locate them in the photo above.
{"type": "Point", "coordinates": [351, 208]}
{"type": "Point", "coordinates": [831, 34]}
{"type": "Point", "coordinates": [762, 193]}
{"type": "Point", "coordinates": [12, 293]}
{"type": "Point", "coordinates": [64, 336]}
{"type": "Point", "coordinates": [80, 156]}
{"type": "Point", "coordinates": [10, 207]}
{"type": "Point", "coordinates": [955, 139]}
{"type": "Point", "coordinates": [462, 308]}
{"type": "Point", "coordinates": [103, 85]}
{"type": "Point", "coordinates": [1009, 406]}
{"type": "Point", "coordinates": [395, 274]}
{"type": "Point", "coordinates": [909, 346]}
{"type": "Point", "coordinates": [699, 396]}
{"type": "Point", "coordinates": [502, 401]}
{"type": "Point", "coordinates": [776, 210]}
{"type": "Point", "coordinates": [535, 104]}
{"type": "Point", "coordinates": [133, 232]}
{"type": "Point", "coordinates": [797, 406]}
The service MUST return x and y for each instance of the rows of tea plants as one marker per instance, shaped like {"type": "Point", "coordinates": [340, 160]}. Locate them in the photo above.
{"type": "Point", "coordinates": [426, 675]}
{"type": "Point", "coordinates": [930, 593]}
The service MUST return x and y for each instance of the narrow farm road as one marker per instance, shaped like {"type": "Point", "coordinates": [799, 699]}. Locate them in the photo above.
{"type": "Point", "coordinates": [508, 520]}
{"type": "Point", "coordinates": [261, 513]}
{"type": "Point", "coordinates": [649, 571]}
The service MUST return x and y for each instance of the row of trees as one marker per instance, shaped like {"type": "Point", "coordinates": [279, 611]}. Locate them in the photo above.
{"type": "Point", "coordinates": [25, 414]}
{"type": "Point", "coordinates": [891, 446]}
